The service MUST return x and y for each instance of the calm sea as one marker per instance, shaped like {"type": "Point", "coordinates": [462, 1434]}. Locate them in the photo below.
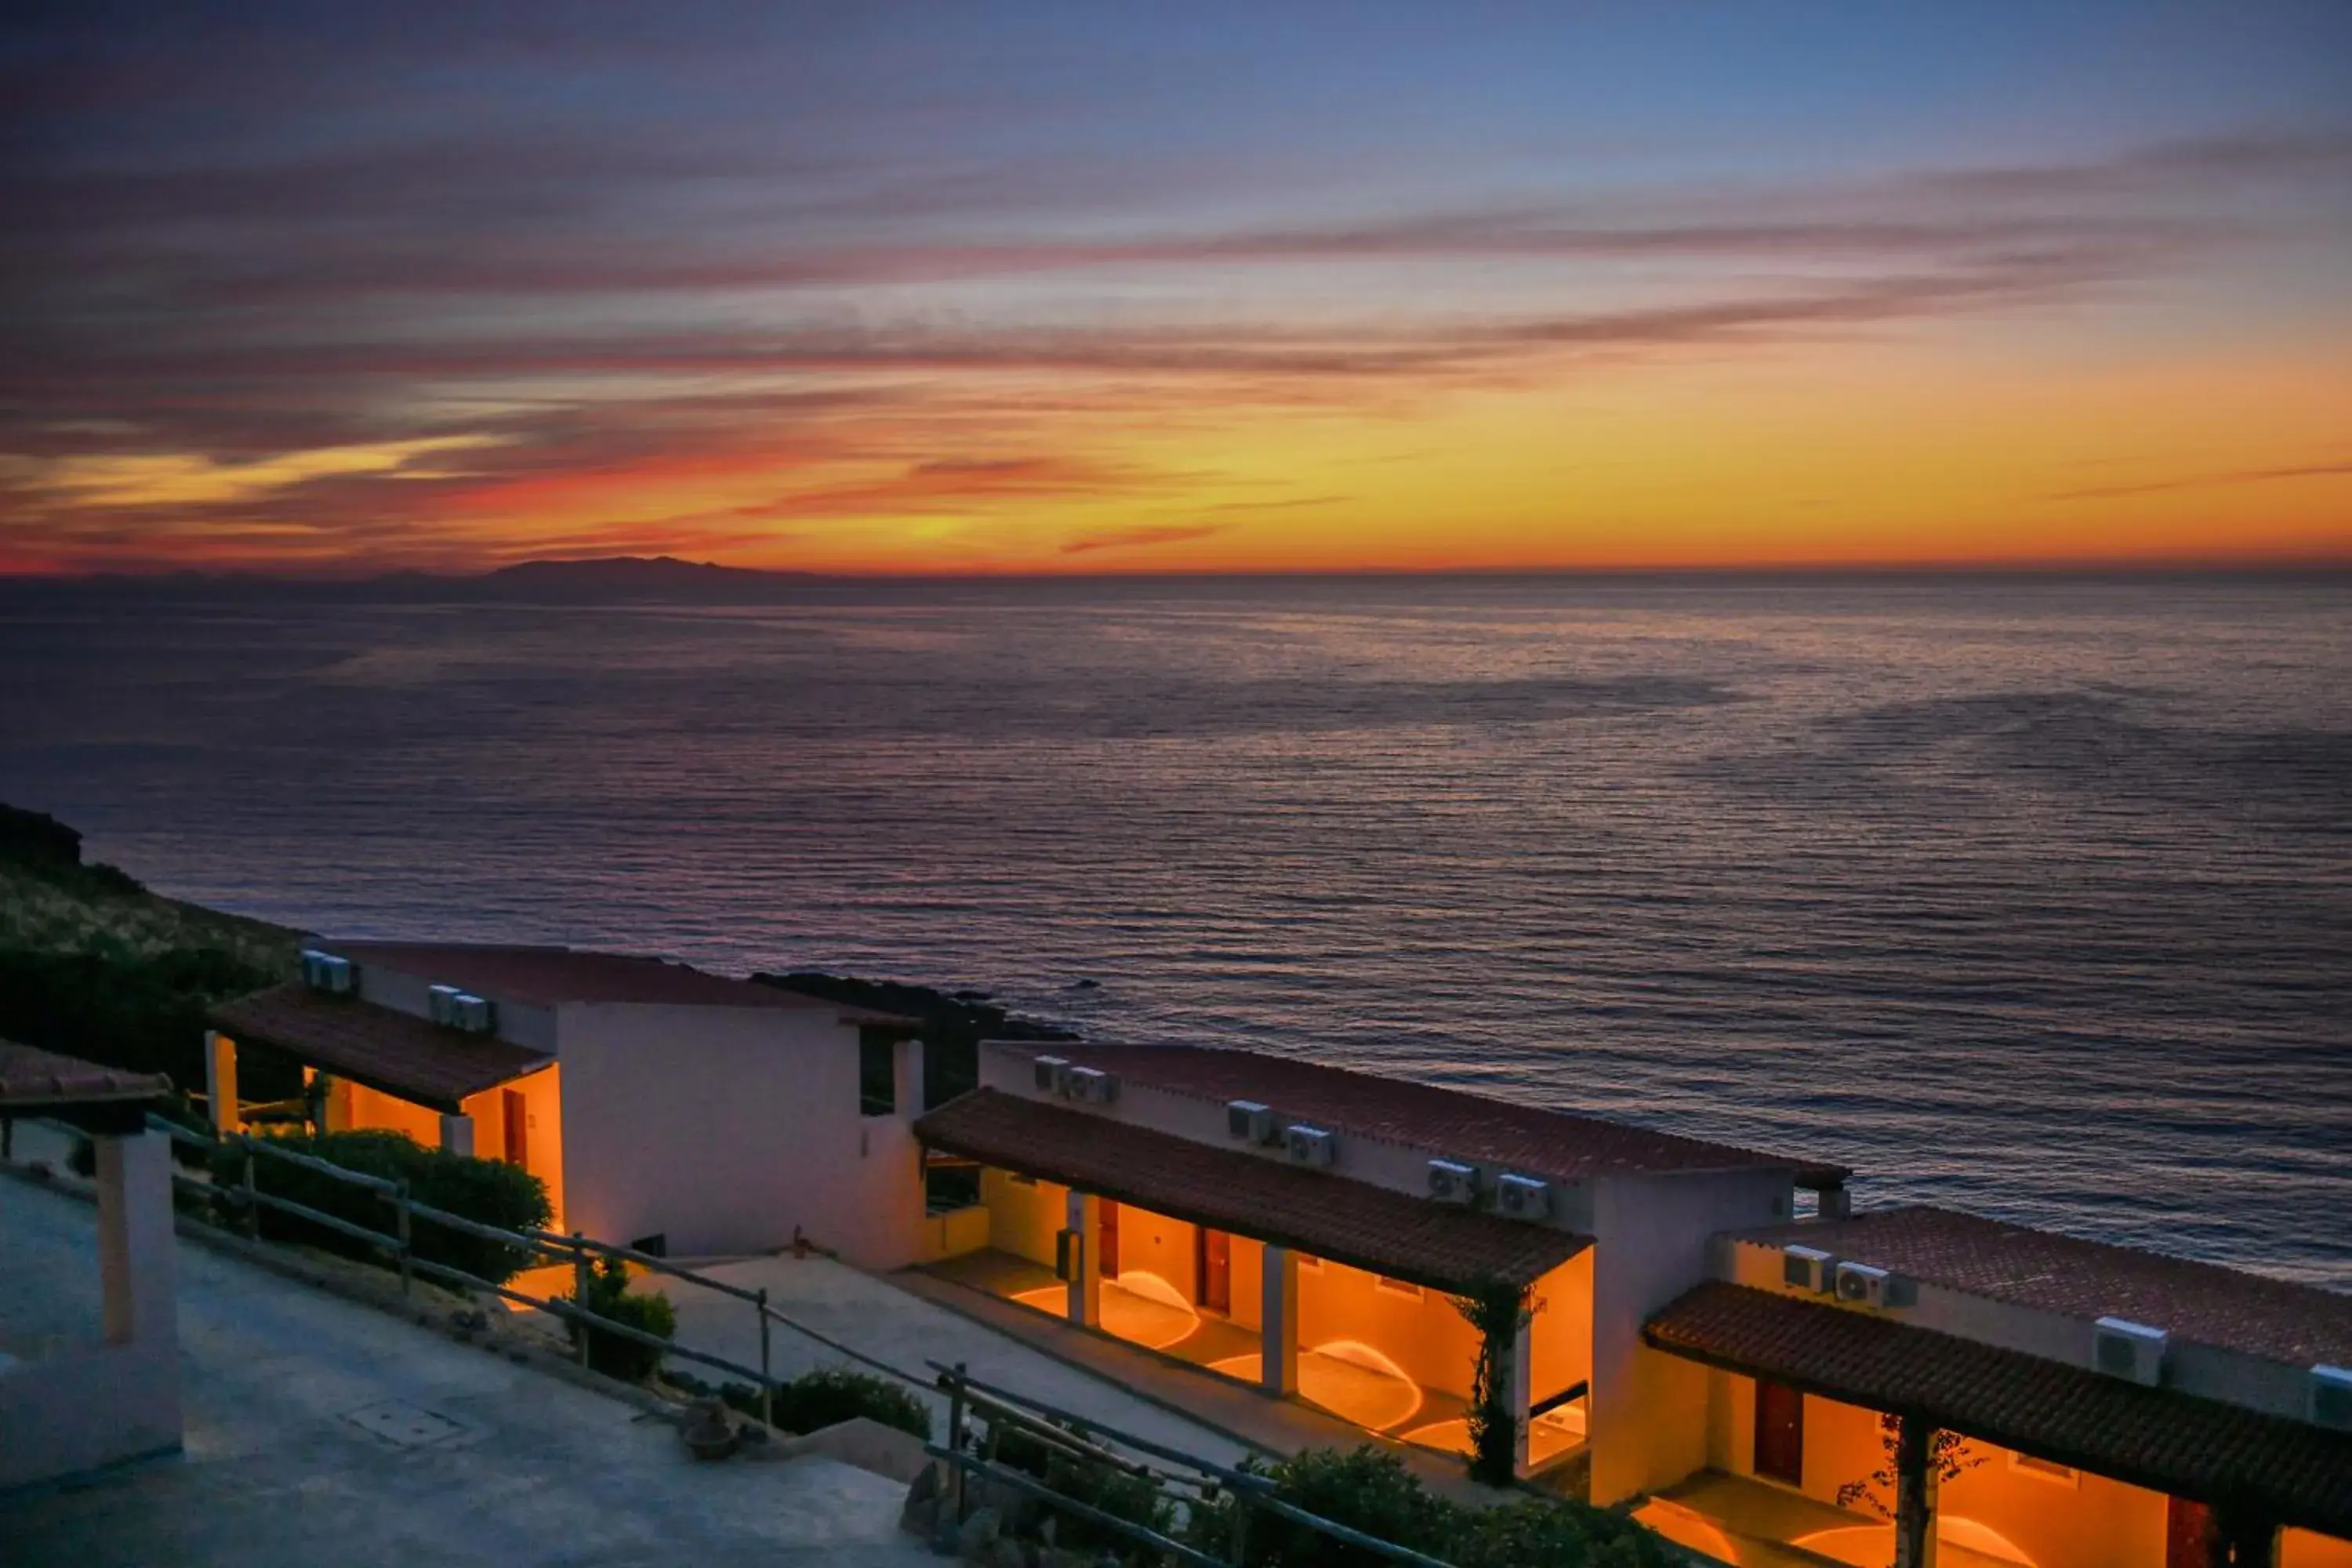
{"type": "Point", "coordinates": [2033, 896]}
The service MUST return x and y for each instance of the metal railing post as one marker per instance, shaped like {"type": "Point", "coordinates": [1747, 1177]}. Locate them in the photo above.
{"type": "Point", "coordinates": [951, 1518]}
{"type": "Point", "coordinates": [252, 1202]}
{"type": "Point", "coordinates": [580, 1278]}
{"type": "Point", "coordinates": [1238, 1547]}
{"type": "Point", "coordinates": [767, 1383]}
{"type": "Point", "coordinates": [400, 1212]}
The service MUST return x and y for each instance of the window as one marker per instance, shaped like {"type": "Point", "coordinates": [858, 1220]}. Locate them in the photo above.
{"type": "Point", "coordinates": [1399, 1286]}
{"type": "Point", "coordinates": [2063, 1475]}
{"type": "Point", "coordinates": [878, 1076]}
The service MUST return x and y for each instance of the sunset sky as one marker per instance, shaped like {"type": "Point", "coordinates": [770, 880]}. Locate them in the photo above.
{"type": "Point", "coordinates": [1113, 288]}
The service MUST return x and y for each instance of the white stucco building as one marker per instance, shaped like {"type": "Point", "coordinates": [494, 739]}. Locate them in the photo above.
{"type": "Point", "coordinates": [1707, 1330]}
{"type": "Point", "coordinates": [658, 1103]}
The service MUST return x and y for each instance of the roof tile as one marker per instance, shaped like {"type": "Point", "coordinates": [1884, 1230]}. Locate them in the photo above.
{"type": "Point", "coordinates": [33, 1078]}
{"type": "Point", "coordinates": [549, 976]}
{"type": "Point", "coordinates": [2202, 1303]}
{"type": "Point", "coordinates": [1564, 1144]}
{"type": "Point", "coordinates": [1327, 1216]}
{"type": "Point", "coordinates": [2159, 1439]}
{"type": "Point", "coordinates": [395, 1052]}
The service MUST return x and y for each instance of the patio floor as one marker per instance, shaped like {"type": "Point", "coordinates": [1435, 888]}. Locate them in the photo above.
{"type": "Point", "coordinates": [1756, 1525]}
{"type": "Point", "coordinates": [1353, 1383]}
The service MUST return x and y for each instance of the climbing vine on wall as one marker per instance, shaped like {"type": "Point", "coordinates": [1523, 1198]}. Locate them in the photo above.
{"type": "Point", "coordinates": [1494, 1307]}
{"type": "Point", "coordinates": [1948, 1458]}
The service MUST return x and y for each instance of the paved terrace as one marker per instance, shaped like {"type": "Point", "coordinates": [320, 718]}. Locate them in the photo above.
{"type": "Point", "coordinates": [515, 1468]}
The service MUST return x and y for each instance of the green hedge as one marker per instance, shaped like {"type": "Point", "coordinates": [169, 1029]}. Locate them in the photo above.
{"type": "Point", "coordinates": [609, 1296]}
{"type": "Point", "coordinates": [822, 1398]}
{"type": "Point", "coordinates": [488, 1192]}
{"type": "Point", "coordinates": [1372, 1492]}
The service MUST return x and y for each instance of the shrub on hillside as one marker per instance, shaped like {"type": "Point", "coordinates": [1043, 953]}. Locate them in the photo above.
{"type": "Point", "coordinates": [487, 1192]}
{"type": "Point", "coordinates": [1364, 1488]}
{"type": "Point", "coordinates": [1372, 1492]}
{"type": "Point", "coordinates": [610, 1298]}
{"type": "Point", "coordinates": [819, 1399]}
{"type": "Point", "coordinates": [825, 1397]}
{"type": "Point", "coordinates": [139, 1014]}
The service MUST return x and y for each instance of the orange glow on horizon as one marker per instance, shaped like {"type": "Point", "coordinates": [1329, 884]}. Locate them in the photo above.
{"type": "Point", "coordinates": [1843, 457]}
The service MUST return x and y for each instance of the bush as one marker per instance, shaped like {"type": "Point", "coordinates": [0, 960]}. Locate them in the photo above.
{"type": "Point", "coordinates": [1540, 1534]}
{"type": "Point", "coordinates": [487, 1192]}
{"type": "Point", "coordinates": [1365, 1488]}
{"type": "Point", "coordinates": [829, 1394]}
{"type": "Point", "coordinates": [609, 1297]}
{"type": "Point", "coordinates": [819, 1399]}
{"type": "Point", "coordinates": [1372, 1491]}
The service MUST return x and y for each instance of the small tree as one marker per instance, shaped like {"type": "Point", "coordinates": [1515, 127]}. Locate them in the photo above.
{"type": "Point", "coordinates": [1494, 1307]}
{"type": "Point", "coordinates": [1948, 1458]}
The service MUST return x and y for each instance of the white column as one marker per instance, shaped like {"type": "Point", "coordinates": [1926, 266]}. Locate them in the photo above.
{"type": "Point", "coordinates": [457, 1135]}
{"type": "Point", "coordinates": [1278, 1321]}
{"type": "Point", "coordinates": [1085, 1223]}
{"type": "Point", "coordinates": [1522, 1388]}
{"type": "Point", "coordinates": [135, 1245]}
{"type": "Point", "coordinates": [906, 1078]}
{"type": "Point", "coordinates": [220, 1081]}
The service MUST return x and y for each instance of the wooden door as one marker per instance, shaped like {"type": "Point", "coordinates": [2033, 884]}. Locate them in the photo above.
{"type": "Point", "coordinates": [1107, 1239]}
{"type": "Point", "coordinates": [1212, 1259]}
{"type": "Point", "coordinates": [517, 1113]}
{"type": "Point", "coordinates": [2187, 1534]}
{"type": "Point", "coordinates": [1779, 1433]}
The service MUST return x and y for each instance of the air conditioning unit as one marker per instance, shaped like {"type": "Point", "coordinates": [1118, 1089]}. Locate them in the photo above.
{"type": "Point", "coordinates": [1250, 1122]}
{"type": "Point", "coordinates": [1523, 1197]}
{"type": "Point", "coordinates": [1093, 1085]}
{"type": "Point", "coordinates": [1809, 1269]}
{"type": "Point", "coordinates": [323, 971]}
{"type": "Point", "coordinates": [473, 1014]}
{"type": "Point", "coordinates": [1863, 1285]}
{"type": "Point", "coordinates": [1452, 1181]}
{"type": "Point", "coordinates": [2121, 1348]}
{"type": "Point", "coordinates": [442, 1002]}
{"type": "Point", "coordinates": [1310, 1145]}
{"type": "Point", "coordinates": [1049, 1071]}
{"type": "Point", "coordinates": [2329, 1398]}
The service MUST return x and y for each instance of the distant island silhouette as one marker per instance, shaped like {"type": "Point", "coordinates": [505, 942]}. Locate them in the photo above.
{"type": "Point", "coordinates": [604, 579]}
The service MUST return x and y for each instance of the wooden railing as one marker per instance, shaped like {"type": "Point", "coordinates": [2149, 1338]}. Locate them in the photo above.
{"type": "Point", "coordinates": [966, 1452]}
{"type": "Point", "coordinates": [1090, 1442]}
{"type": "Point", "coordinates": [247, 1199]}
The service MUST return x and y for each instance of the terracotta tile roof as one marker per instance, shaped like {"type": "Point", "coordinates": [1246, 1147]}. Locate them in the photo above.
{"type": "Point", "coordinates": [1250, 1194]}
{"type": "Point", "coordinates": [395, 1052]}
{"type": "Point", "coordinates": [32, 1078]}
{"type": "Point", "coordinates": [2202, 1302]}
{"type": "Point", "coordinates": [1565, 1144]}
{"type": "Point", "coordinates": [2158, 1439]}
{"type": "Point", "coordinates": [549, 976]}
